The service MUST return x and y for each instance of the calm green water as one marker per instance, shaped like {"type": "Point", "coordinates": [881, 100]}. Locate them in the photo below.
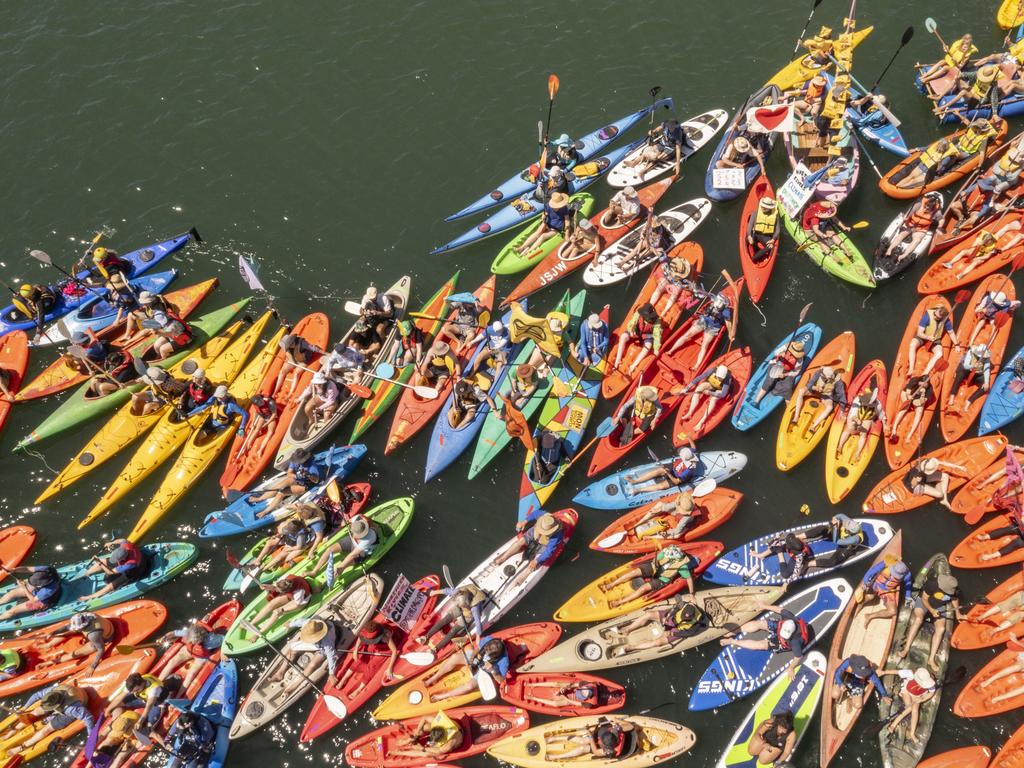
{"type": "Point", "coordinates": [328, 140]}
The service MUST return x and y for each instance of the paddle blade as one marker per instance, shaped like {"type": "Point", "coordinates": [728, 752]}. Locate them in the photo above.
{"type": "Point", "coordinates": [612, 540]}
{"type": "Point", "coordinates": [447, 575]}
{"type": "Point", "coordinates": [908, 35]}
{"type": "Point", "coordinates": [861, 225]}
{"type": "Point", "coordinates": [248, 273]}
{"type": "Point", "coordinates": [540, 131]}
{"type": "Point", "coordinates": [605, 427]}
{"type": "Point", "coordinates": [805, 311]}
{"type": "Point", "coordinates": [124, 650]}
{"type": "Point", "coordinates": [553, 86]}
{"type": "Point", "coordinates": [336, 706]}
{"type": "Point", "coordinates": [704, 487]}
{"type": "Point", "coordinates": [559, 387]}
{"type": "Point", "coordinates": [232, 560]}
{"type": "Point", "coordinates": [1016, 386]}
{"type": "Point", "coordinates": [654, 92]}
{"type": "Point", "coordinates": [930, 24]}
{"type": "Point", "coordinates": [353, 307]}
{"type": "Point", "coordinates": [419, 658]}
{"type": "Point", "coordinates": [427, 393]}
{"type": "Point", "coordinates": [1018, 262]}
{"type": "Point", "coordinates": [329, 574]}
{"type": "Point", "coordinates": [385, 370]}
{"type": "Point", "coordinates": [962, 296]}
{"type": "Point", "coordinates": [360, 390]}
{"type": "Point", "coordinates": [42, 256]}
{"type": "Point", "coordinates": [485, 683]}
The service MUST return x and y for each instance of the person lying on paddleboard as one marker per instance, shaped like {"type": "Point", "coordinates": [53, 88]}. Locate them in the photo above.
{"type": "Point", "coordinates": [1016, 666]}
{"type": "Point", "coordinates": [939, 603]}
{"type": "Point", "coordinates": [917, 688]}
{"type": "Point", "coordinates": [852, 678]}
{"type": "Point", "coordinates": [200, 644]}
{"type": "Point", "coordinates": [889, 582]}
{"type": "Point", "coordinates": [644, 330]}
{"type": "Point", "coordinates": [679, 620]}
{"type": "Point", "coordinates": [774, 740]}
{"type": "Point", "coordinates": [666, 566]}
{"type": "Point", "coordinates": [610, 739]}
{"type": "Point", "coordinates": [668, 140]}
{"type": "Point", "coordinates": [844, 532]}
{"type": "Point", "coordinates": [539, 543]}
{"type": "Point", "coordinates": [593, 342]}
{"type": "Point", "coordinates": [865, 411]}
{"type": "Point", "coordinates": [711, 387]}
{"type": "Point", "coordinates": [785, 632]}
{"type": "Point", "coordinates": [825, 386]}
{"type": "Point", "coordinates": [682, 470]}
{"type": "Point", "coordinates": [39, 591]}
{"type": "Point", "coordinates": [492, 655]}
{"type": "Point", "coordinates": [923, 217]}
{"type": "Point", "coordinates": [1000, 616]}
{"type": "Point", "coordinates": [929, 477]}
{"type": "Point", "coordinates": [717, 313]}
{"type": "Point", "coordinates": [793, 553]}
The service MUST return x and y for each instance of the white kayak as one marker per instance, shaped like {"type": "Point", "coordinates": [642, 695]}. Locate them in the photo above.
{"type": "Point", "coordinates": [699, 130]}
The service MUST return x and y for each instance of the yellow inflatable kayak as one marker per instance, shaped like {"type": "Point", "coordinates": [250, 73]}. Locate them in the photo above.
{"type": "Point", "coordinates": [169, 433]}
{"type": "Point", "coordinates": [1010, 14]}
{"type": "Point", "coordinates": [201, 450]}
{"type": "Point", "coordinates": [801, 70]}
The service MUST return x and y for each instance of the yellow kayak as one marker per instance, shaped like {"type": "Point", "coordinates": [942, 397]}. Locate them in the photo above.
{"type": "Point", "coordinates": [843, 470]}
{"type": "Point", "coordinates": [124, 427]}
{"type": "Point", "coordinates": [1010, 14]}
{"type": "Point", "coordinates": [801, 70]}
{"type": "Point", "coordinates": [169, 433]}
{"type": "Point", "coordinates": [201, 450]}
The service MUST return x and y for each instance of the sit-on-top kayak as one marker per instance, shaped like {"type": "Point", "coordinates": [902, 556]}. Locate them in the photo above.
{"type": "Point", "coordinates": [762, 97]}
{"type": "Point", "coordinates": [987, 490]}
{"type": "Point", "coordinates": [540, 692]}
{"type": "Point", "coordinates": [757, 272]}
{"type": "Point", "coordinates": [979, 631]}
{"type": "Point", "coordinates": [889, 265]}
{"type": "Point", "coordinates": [509, 261]}
{"type": "Point", "coordinates": [699, 131]}
{"type": "Point", "coordinates": [953, 268]}
{"type": "Point", "coordinates": [712, 411]}
{"type": "Point", "coordinates": [14, 362]}
{"type": "Point", "coordinates": [16, 541]}
{"type": "Point", "coordinates": [217, 701]}
{"type": "Point", "coordinates": [1005, 400]}
{"type": "Point", "coordinates": [844, 261]}
{"type": "Point", "coordinates": [968, 553]}
{"type": "Point", "coordinates": [994, 689]}
{"type": "Point", "coordinates": [802, 69]}
{"type": "Point", "coordinates": [970, 757]}
{"type": "Point", "coordinates": [844, 468]}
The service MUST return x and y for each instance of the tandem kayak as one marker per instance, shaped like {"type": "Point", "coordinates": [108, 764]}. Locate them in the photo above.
{"type": "Point", "coordinates": [844, 261]}
{"type": "Point", "coordinates": [764, 96]}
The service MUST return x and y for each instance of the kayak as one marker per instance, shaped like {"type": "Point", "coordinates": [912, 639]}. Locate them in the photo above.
{"type": "Point", "coordinates": [977, 493]}
{"type": "Point", "coordinates": [413, 412]}
{"type": "Point", "coordinates": [58, 375]}
{"type": "Point", "coordinates": [481, 726]}
{"type": "Point", "coordinates": [891, 495]}
{"type": "Point", "coordinates": [132, 623]}
{"type": "Point", "coordinates": [798, 695]}
{"type": "Point", "coordinates": [593, 602]}
{"type": "Point", "coordinates": [217, 701]}
{"type": "Point", "coordinates": [967, 554]}
{"type": "Point", "coordinates": [241, 515]}
{"type": "Point", "coordinates": [16, 541]}
{"type": "Point", "coordinates": [602, 646]}
{"type": "Point", "coordinates": [738, 672]}
{"type": "Point", "coordinates": [902, 446]}
{"type": "Point", "coordinates": [886, 266]}
{"type": "Point", "coordinates": [414, 697]}
{"type": "Point", "coordinates": [611, 492]}
{"type": "Point", "coordinates": [795, 439]}
{"type": "Point", "coordinates": [767, 94]}
{"type": "Point", "coordinates": [364, 673]}
{"type": "Point", "coordinates": [280, 685]}
{"type": "Point", "coordinates": [965, 757]}
{"type": "Point", "coordinates": [541, 692]}
{"type": "Point", "coordinates": [977, 632]}
{"type": "Point", "coordinates": [392, 519]}
{"type": "Point", "coordinates": [243, 468]}
{"type": "Point", "coordinates": [897, 748]}
{"type": "Point", "coordinates": [83, 405]}
{"type": "Point", "coordinates": [1012, 751]}
{"type": "Point", "coordinates": [587, 147]}
{"type": "Point", "coordinates": [802, 149]}
{"type": "Point", "coordinates": [699, 131]}
{"type": "Point", "coordinates": [171, 430]}
{"type": "Point", "coordinates": [740, 567]}
{"type": "Point", "coordinates": [14, 362]}
{"type": "Point", "coordinates": [510, 262]}
{"type": "Point", "coordinates": [125, 427]}
{"type": "Point", "coordinates": [940, 278]}
{"type": "Point", "coordinates": [615, 262]}
{"type": "Point", "coordinates": [956, 109]}
{"type": "Point", "coordinates": [543, 746]}
{"type": "Point", "coordinates": [756, 272]}
{"type": "Point", "coordinates": [854, 633]}
{"type": "Point", "coordinates": [843, 469]}
{"type": "Point", "coordinates": [874, 126]}
{"type": "Point", "coordinates": [629, 536]}
{"type": "Point", "coordinates": [636, 358]}
{"type": "Point", "coordinates": [802, 69]}
{"type": "Point", "coordinates": [1003, 405]}
{"type": "Point", "coordinates": [1010, 13]}
{"type": "Point", "coordinates": [385, 393]}
{"type": "Point", "coordinates": [844, 261]}
{"type": "Point", "coordinates": [685, 429]}
{"type": "Point", "coordinates": [165, 562]}
{"type": "Point", "coordinates": [302, 434]}
{"type": "Point", "coordinates": [982, 696]}
{"type": "Point", "coordinates": [556, 265]}
{"type": "Point", "coordinates": [746, 414]}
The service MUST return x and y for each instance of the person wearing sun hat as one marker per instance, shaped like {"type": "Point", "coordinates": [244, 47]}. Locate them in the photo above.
{"type": "Point", "coordinates": [557, 219]}
{"type": "Point", "coordinates": [437, 367]}
{"type": "Point", "coordinates": [784, 369]}
{"type": "Point", "coordinates": [820, 222]}
{"type": "Point", "coordinates": [917, 686]}
{"type": "Point", "coordinates": [320, 399]}
{"type": "Point", "coordinates": [522, 385]}
{"type": "Point", "coordinates": [623, 208]}
{"type": "Point", "coordinates": [674, 279]}
{"type": "Point", "coordinates": [540, 543]}
{"type": "Point", "coordinates": [929, 477]}
{"type": "Point", "coordinates": [319, 638]}
{"type": "Point", "coordinates": [973, 94]}
{"type": "Point", "coordinates": [653, 243]}
{"type": "Point", "coordinates": [565, 155]}
{"type": "Point", "coordinates": [713, 385]}
{"type": "Point", "coordinates": [853, 680]}
{"type": "Point", "coordinates": [939, 602]}
{"type": "Point", "coordinates": [363, 538]}
{"type": "Point", "coordinates": [889, 582]}
{"type": "Point", "coordinates": [763, 229]}
{"type": "Point", "coordinates": [583, 241]}
{"type": "Point", "coordinates": [593, 342]}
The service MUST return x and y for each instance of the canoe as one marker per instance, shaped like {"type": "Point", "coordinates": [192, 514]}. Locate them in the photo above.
{"type": "Point", "coordinates": [901, 447]}
{"type": "Point", "coordinates": [364, 672]}
{"type": "Point", "coordinates": [539, 692]}
{"type": "Point", "coordinates": [897, 749]}
{"type": "Point", "coordinates": [486, 725]}
{"type": "Point", "coordinates": [738, 672]}
{"type": "Point", "coordinates": [610, 492]}
{"type": "Point", "coordinates": [302, 434]}
{"type": "Point", "coordinates": [635, 358]}
{"type": "Point", "coordinates": [1010, 14]}
{"type": "Point", "coordinates": [280, 685]}
{"type": "Point", "coordinates": [763, 96]}
{"type": "Point", "coordinates": [746, 414]}
{"type": "Point", "coordinates": [385, 393]}
{"type": "Point", "coordinates": [699, 130]}
{"type": "Point", "coordinates": [684, 430]}
{"type": "Point", "coordinates": [843, 470]}
{"type": "Point", "coordinates": [133, 622]}
{"type": "Point", "coordinates": [886, 267]}
{"type": "Point", "coordinates": [165, 562]}
{"type": "Point", "coordinates": [597, 647]}
{"type": "Point", "coordinates": [802, 149]}
{"type": "Point", "coordinates": [58, 376]}
{"type": "Point", "coordinates": [976, 495]}
{"type": "Point", "coordinates": [802, 69]}
{"type": "Point", "coordinates": [976, 632]}
{"type": "Point", "coordinates": [843, 261]}
{"type": "Point", "coordinates": [740, 567]}
{"type": "Point", "coordinates": [891, 495]}
{"type": "Point", "coordinates": [82, 405]}
{"type": "Point", "coordinates": [591, 603]}
{"type": "Point", "coordinates": [14, 362]}
{"type": "Point", "coordinates": [1003, 405]}
{"type": "Point", "coordinates": [413, 697]}
{"type": "Point", "coordinates": [242, 469]}
{"type": "Point", "coordinates": [413, 412]}
{"type": "Point", "coordinates": [713, 510]}
{"type": "Point", "coordinates": [854, 634]}
{"type": "Point", "coordinates": [16, 541]}
{"type": "Point", "coordinates": [611, 265]}
{"type": "Point", "coordinates": [217, 701]}
{"type": "Point", "coordinates": [756, 272]}
{"type": "Point", "coordinates": [939, 278]}
{"type": "Point", "coordinates": [587, 146]}
{"type": "Point", "coordinates": [795, 441]}
{"type": "Point", "coordinates": [983, 697]}
{"type": "Point", "coordinates": [124, 427]}
{"type": "Point", "coordinates": [967, 554]}
{"type": "Point", "coordinates": [556, 266]}
{"type": "Point", "coordinates": [965, 757]}
{"type": "Point", "coordinates": [542, 746]}
{"type": "Point", "coordinates": [510, 262]}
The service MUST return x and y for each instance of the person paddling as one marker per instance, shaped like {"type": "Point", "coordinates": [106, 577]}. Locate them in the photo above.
{"type": "Point", "coordinates": [763, 230]}
{"type": "Point", "coordinates": [934, 326]}
{"type": "Point", "coordinates": [784, 369]}
{"type": "Point", "coordinates": [34, 303]}
{"type": "Point", "coordinates": [825, 386]}
{"type": "Point", "coordinates": [655, 573]}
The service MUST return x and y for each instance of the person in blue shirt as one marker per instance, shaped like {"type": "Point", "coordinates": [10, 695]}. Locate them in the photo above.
{"type": "Point", "coordinates": [192, 739]}
{"type": "Point", "coordinates": [40, 591]}
{"type": "Point", "coordinates": [935, 323]}
{"type": "Point", "coordinates": [126, 563]}
{"type": "Point", "coordinates": [557, 219]}
{"type": "Point", "coordinates": [300, 475]}
{"type": "Point", "coordinates": [224, 411]}
{"type": "Point", "coordinates": [491, 657]}
{"type": "Point", "coordinates": [58, 707]}
{"type": "Point", "coordinates": [853, 679]}
{"type": "Point", "coordinates": [593, 343]}
{"type": "Point", "coordinates": [551, 450]}
{"type": "Point", "coordinates": [888, 582]}
{"type": "Point", "coordinates": [539, 544]}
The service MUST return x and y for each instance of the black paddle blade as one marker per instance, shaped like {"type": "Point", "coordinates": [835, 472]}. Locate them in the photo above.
{"type": "Point", "coordinates": [655, 91]}
{"type": "Point", "coordinates": [908, 35]}
{"type": "Point", "coordinates": [194, 233]}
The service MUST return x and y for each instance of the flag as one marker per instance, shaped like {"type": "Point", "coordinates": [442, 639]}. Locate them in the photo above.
{"type": "Point", "coordinates": [329, 575]}
{"type": "Point", "coordinates": [248, 273]}
{"type": "Point", "coordinates": [516, 424]}
{"type": "Point", "coordinates": [773, 118]}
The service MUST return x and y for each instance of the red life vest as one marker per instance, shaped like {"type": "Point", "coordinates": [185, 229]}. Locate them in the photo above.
{"type": "Point", "coordinates": [801, 627]}
{"type": "Point", "coordinates": [185, 336]}
{"type": "Point", "coordinates": [266, 409]}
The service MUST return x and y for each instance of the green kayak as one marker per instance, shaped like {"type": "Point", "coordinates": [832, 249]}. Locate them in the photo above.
{"type": "Point", "coordinates": [493, 436]}
{"type": "Point", "coordinates": [509, 261]}
{"type": "Point", "coordinates": [82, 406]}
{"type": "Point", "coordinates": [391, 517]}
{"type": "Point", "coordinates": [844, 261]}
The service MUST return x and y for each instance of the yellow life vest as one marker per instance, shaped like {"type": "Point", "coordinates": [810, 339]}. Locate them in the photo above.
{"type": "Point", "coordinates": [971, 141]}
{"type": "Point", "coordinates": [933, 331]}
{"type": "Point", "coordinates": [824, 388]}
{"type": "Point", "coordinates": [766, 223]}
{"type": "Point", "coordinates": [932, 155]}
{"type": "Point", "coordinates": [152, 683]}
{"type": "Point", "coordinates": [865, 412]}
{"type": "Point", "coordinates": [644, 409]}
{"type": "Point", "coordinates": [956, 56]}
{"type": "Point", "coordinates": [443, 362]}
{"type": "Point", "coordinates": [715, 382]}
{"type": "Point", "coordinates": [450, 727]}
{"type": "Point", "coordinates": [984, 250]}
{"type": "Point", "coordinates": [1007, 165]}
{"type": "Point", "coordinates": [979, 90]}
{"type": "Point", "coordinates": [1017, 51]}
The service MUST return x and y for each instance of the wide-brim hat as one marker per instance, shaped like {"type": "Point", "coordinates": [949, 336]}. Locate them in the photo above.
{"type": "Point", "coordinates": [558, 200]}
{"type": "Point", "coordinates": [546, 525]}
{"type": "Point", "coordinates": [313, 631]}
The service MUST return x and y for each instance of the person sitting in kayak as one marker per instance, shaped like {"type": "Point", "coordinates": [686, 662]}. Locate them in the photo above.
{"type": "Point", "coordinates": [763, 230]}
{"type": "Point", "coordinates": [191, 740]}
{"type": "Point", "coordinates": [989, 307]}
{"type": "Point", "coordinates": [58, 707]}
{"type": "Point", "coordinates": [657, 572]}
{"type": "Point", "coordinates": [583, 240]}
{"type": "Point", "coordinates": [793, 553]}
{"type": "Point", "coordinates": [540, 543]}
{"type": "Point", "coordinates": [785, 632]}
{"type": "Point", "coordinates": [853, 679]}
{"type": "Point", "coordinates": [551, 451]}
{"type": "Point", "coordinates": [411, 340]}
{"type": "Point", "coordinates": [638, 415]}
{"type": "Point", "coordinates": [40, 591]}
{"type": "Point", "coordinates": [673, 281]}
{"type": "Point", "coordinates": [374, 639]}
{"type": "Point", "coordinates": [433, 737]}
{"type": "Point", "coordinates": [287, 594]}
{"type": "Point", "coordinates": [121, 297]}
{"type": "Point", "coordinates": [119, 741]}
{"type": "Point", "coordinates": [582, 694]}
{"type": "Point", "coordinates": [928, 477]}
{"type": "Point", "coordinates": [608, 740]}
{"type": "Point", "coordinates": [981, 91]}
{"type": "Point", "coordinates": [320, 399]}
{"type": "Point", "coordinates": [338, 504]}
{"type": "Point", "coordinates": [867, 107]}
{"type": "Point", "coordinates": [975, 364]}
{"type": "Point", "coordinates": [465, 326]}
{"type": "Point", "coordinates": [106, 263]}
{"type": "Point", "coordinates": [92, 630]}
{"type": "Point", "coordinates": [118, 369]}
{"type": "Point", "coordinates": [291, 541]}
{"type": "Point", "coordinates": [96, 352]}
{"type": "Point", "coordinates": [670, 519]}
{"type": "Point", "coordinates": [918, 688]}
{"type": "Point", "coordinates": [126, 564]}
{"type": "Point", "coordinates": [668, 140]}
{"type": "Point", "coordinates": [740, 153]}
{"type": "Point", "coordinates": [556, 219]}
{"type": "Point", "coordinates": [984, 247]}
{"type": "Point", "coordinates": [161, 390]}
{"type": "Point", "coordinates": [622, 209]}
{"type": "Point", "coordinates": [363, 539]}
{"type": "Point", "coordinates": [939, 602]}
{"type": "Point", "coordinates": [957, 55]}
{"type": "Point", "coordinates": [149, 304]}
{"type": "Point", "coordinates": [523, 385]}
{"type": "Point", "coordinates": [224, 409]}
{"type": "Point", "coordinates": [593, 342]}
{"type": "Point", "coordinates": [264, 413]}
{"type": "Point", "coordinates": [838, 173]}
{"type": "Point", "coordinates": [808, 99]}
{"type": "Point", "coordinates": [172, 334]}
{"type": "Point", "coordinates": [468, 396]}
{"type": "Point", "coordinates": [437, 367]}
{"type": "Point", "coordinates": [200, 646]}
{"type": "Point", "coordinates": [934, 325]}
{"type": "Point", "coordinates": [653, 243]}
{"type": "Point", "coordinates": [922, 218]}
{"type": "Point", "coordinates": [929, 164]}
{"type": "Point", "coordinates": [890, 583]}
{"type": "Point", "coordinates": [825, 386]}
{"type": "Point", "coordinates": [300, 475]}
{"type": "Point", "coordinates": [645, 330]}
{"type": "Point", "coordinates": [361, 344]}
{"type": "Point", "coordinates": [784, 370]}
{"type": "Point", "coordinates": [709, 322]}
{"type": "Point", "coordinates": [712, 386]}
{"type": "Point", "coordinates": [493, 357]}
{"type": "Point", "coordinates": [33, 303]}
{"type": "Point", "coordinates": [492, 656]}
{"type": "Point", "coordinates": [298, 354]}
{"type": "Point", "coordinates": [681, 471]}
{"type": "Point", "coordinates": [565, 155]}
{"type": "Point", "coordinates": [865, 411]}
{"type": "Point", "coordinates": [969, 144]}
{"type": "Point", "coordinates": [1014, 530]}
{"type": "Point", "coordinates": [679, 619]}
{"type": "Point", "coordinates": [318, 640]}
{"type": "Point", "coordinates": [774, 739]}
{"type": "Point", "coordinates": [822, 227]}
{"type": "Point", "coordinates": [144, 695]}
{"type": "Point", "coordinates": [377, 310]}
{"type": "Point", "coordinates": [917, 394]}
{"type": "Point", "coordinates": [993, 184]}
{"type": "Point", "coordinates": [461, 615]}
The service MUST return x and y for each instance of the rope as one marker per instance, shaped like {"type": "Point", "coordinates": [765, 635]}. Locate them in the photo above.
{"type": "Point", "coordinates": [764, 320]}
{"type": "Point", "coordinates": [40, 457]}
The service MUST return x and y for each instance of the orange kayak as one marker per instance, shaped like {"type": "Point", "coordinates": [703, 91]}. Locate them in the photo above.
{"type": "Point", "coordinates": [242, 470]}
{"type": "Point", "coordinates": [977, 632]}
{"type": "Point", "coordinates": [967, 554]}
{"type": "Point", "coordinates": [843, 470]}
{"type": "Point", "coordinates": [965, 757]}
{"type": "Point", "coordinates": [554, 267]}
{"type": "Point", "coordinates": [977, 494]}
{"type": "Point", "coordinates": [892, 495]}
{"type": "Point", "coordinates": [902, 447]}
{"type": "Point", "coordinates": [542, 692]}
{"type": "Point", "coordinates": [756, 272]}
{"type": "Point", "coordinates": [14, 360]}
{"type": "Point", "coordinates": [16, 541]}
{"type": "Point", "coordinates": [1012, 753]}
{"type": "Point", "coordinates": [1009, 244]}
{"type": "Point", "coordinates": [622, 538]}
{"type": "Point", "coordinates": [982, 696]}
{"type": "Point", "coordinates": [684, 429]}
{"type": "Point", "coordinates": [618, 378]}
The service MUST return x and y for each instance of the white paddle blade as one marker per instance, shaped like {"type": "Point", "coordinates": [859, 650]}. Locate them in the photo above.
{"type": "Point", "coordinates": [353, 308]}
{"type": "Point", "coordinates": [419, 658]}
{"type": "Point", "coordinates": [704, 487]}
{"type": "Point", "coordinates": [485, 683]}
{"type": "Point", "coordinates": [336, 706]}
{"type": "Point", "coordinates": [427, 393]}
{"type": "Point", "coordinates": [612, 540]}
{"type": "Point", "coordinates": [42, 256]}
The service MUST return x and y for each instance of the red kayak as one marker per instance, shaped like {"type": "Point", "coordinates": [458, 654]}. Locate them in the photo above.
{"type": "Point", "coordinates": [13, 360]}
{"type": "Point", "coordinates": [756, 272]}
{"type": "Point", "coordinates": [684, 430]}
{"type": "Point", "coordinates": [551, 693]}
{"type": "Point", "coordinates": [16, 542]}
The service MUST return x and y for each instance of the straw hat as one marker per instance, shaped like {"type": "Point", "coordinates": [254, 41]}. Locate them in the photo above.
{"type": "Point", "coordinates": [546, 525]}
{"type": "Point", "coordinates": [924, 678]}
{"type": "Point", "coordinates": [313, 631]}
{"type": "Point", "coordinates": [558, 201]}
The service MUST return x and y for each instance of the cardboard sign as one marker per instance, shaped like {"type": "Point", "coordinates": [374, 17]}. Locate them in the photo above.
{"type": "Point", "coordinates": [794, 194]}
{"type": "Point", "coordinates": [403, 604]}
{"type": "Point", "coordinates": [728, 178]}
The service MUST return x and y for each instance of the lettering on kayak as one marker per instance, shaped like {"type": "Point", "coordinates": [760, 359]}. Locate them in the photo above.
{"type": "Point", "coordinates": [550, 275]}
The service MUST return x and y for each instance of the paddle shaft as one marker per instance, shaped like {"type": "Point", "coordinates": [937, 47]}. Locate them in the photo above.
{"type": "Point", "coordinates": [908, 34]}
{"type": "Point", "coordinates": [799, 40]}
{"type": "Point", "coordinates": [249, 627]}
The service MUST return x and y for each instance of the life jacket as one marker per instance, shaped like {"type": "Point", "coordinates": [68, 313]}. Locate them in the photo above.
{"type": "Point", "coordinates": [825, 387]}
{"type": "Point", "coordinates": [970, 142]}
{"type": "Point", "coordinates": [919, 218]}
{"type": "Point", "coordinates": [198, 392]}
{"type": "Point", "coordinates": [932, 155]}
{"type": "Point", "coordinates": [677, 621]}
{"type": "Point", "coordinates": [885, 582]}
{"type": "Point", "coordinates": [933, 331]}
{"type": "Point", "coordinates": [813, 92]}
{"type": "Point", "coordinates": [10, 660]}
{"type": "Point", "coordinates": [789, 361]}
{"type": "Point", "coordinates": [667, 568]}
{"type": "Point", "coordinates": [866, 412]}
{"type": "Point", "coordinates": [118, 362]}
{"type": "Point", "coordinates": [979, 90]}
{"type": "Point", "coordinates": [1009, 164]}
{"type": "Point", "coordinates": [296, 583]}
{"type": "Point", "coordinates": [551, 454]}
{"type": "Point", "coordinates": [766, 223]}
{"type": "Point", "coordinates": [95, 623]}
{"type": "Point", "coordinates": [110, 264]}
{"type": "Point", "coordinates": [220, 411]}
{"type": "Point", "coordinates": [72, 693]}
{"type": "Point", "coordinates": [644, 329]}
{"type": "Point", "coordinates": [29, 306]}
{"type": "Point", "coordinates": [672, 133]}
{"type": "Point", "coordinates": [198, 650]}
{"type": "Point", "coordinates": [134, 557]}
{"type": "Point", "coordinates": [265, 409]}
{"type": "Point", "coordinates": [843, 533]}
{"type": "Point", "coordinates": [956, 56]}
{"type": "Point", "coordinates": [801, 627]}
{"type": "Point", "coordinates": [984, 250]}
{"type": "Point", "coordinates": [185, 335]}
{"type": "Point", "coordinates": [619, 747]}
{"type": "Point", "coordinates": [152, 682]}
{"type": "Point", "coordinates": [681, 468]}
{"type": "Point", "coordinates": [644, 409]}
{"type": "Point", "coordinates": [450, 727]}
{"type": "Point", "coordinates": [1016, 50]}
{"type": "Point", "coordinates": [715, 382]}
{"type": "Point", "coordinates": [440, 365]}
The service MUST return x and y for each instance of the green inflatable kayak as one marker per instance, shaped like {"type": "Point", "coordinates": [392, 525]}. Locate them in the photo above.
{"type": "Point", "coordinates": [845, 261]}
{"type": "Point", "coordinates": [509, 261]}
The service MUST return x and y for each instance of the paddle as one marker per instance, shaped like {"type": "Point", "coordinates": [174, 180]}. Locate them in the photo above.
{"type": "Point", "coordinates": [953, 677]}
{"type": "Point", "coordinates": [248, 271]}
{"type": "Point", "coordinates": [361, 390]}
{"type": "Point", "coordinates": [931, 25]}
{"type": "Point", "coordinates": [893, 120]}
{"type": "Point", "coordinates": [807, 24]}
{"type": "Point", "coordinates": [385, 371]}
{"type": "Point", "coordinates": [703, 488]}
{"type": "Point", "coordinates": [812, 238]}
{"type": "Point", "coordinates": [484, 682]}
{"type": "Point", "coordinates": [604, 429]}
{"type": "Point", "coordinates": [44, 257]}
{"type": "Point", "coordinates": [79, 353]}
{"type": "Point", "coordinates": [908, 35]}
{"type": "Point", "coordinates": [871, 160]}
{"type": "Point", "coordinates": [553, 86]}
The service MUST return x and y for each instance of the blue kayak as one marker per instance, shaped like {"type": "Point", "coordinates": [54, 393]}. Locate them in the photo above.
{"type": "Point", "coordinates": [610, 492]}
{"type": "Point", "coordinates": [217, 701]}
{"type": "Point", "coordinates": [240, 515]}
{"type": "Point", "coordinates": [71, 296]}
{"type": "Point", "coordinates": [746, 414]}
{"type": "Point", "coordinates": [874, 126]}
{"type": "Point", "coordinates": [1009, 106]}
{"type": "Point", "coordinates": [768, 94]}
{"type": "Point", "coordinates": [586, 147]}
{"type": "Point", "coordinates": [740, 568]}
{"type": "Point", "coordinates": [1003, 405]}
{"type": "Point", "coordinates": [738, 672]}
{"type": "Point", "coordinates": [525, 207]}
